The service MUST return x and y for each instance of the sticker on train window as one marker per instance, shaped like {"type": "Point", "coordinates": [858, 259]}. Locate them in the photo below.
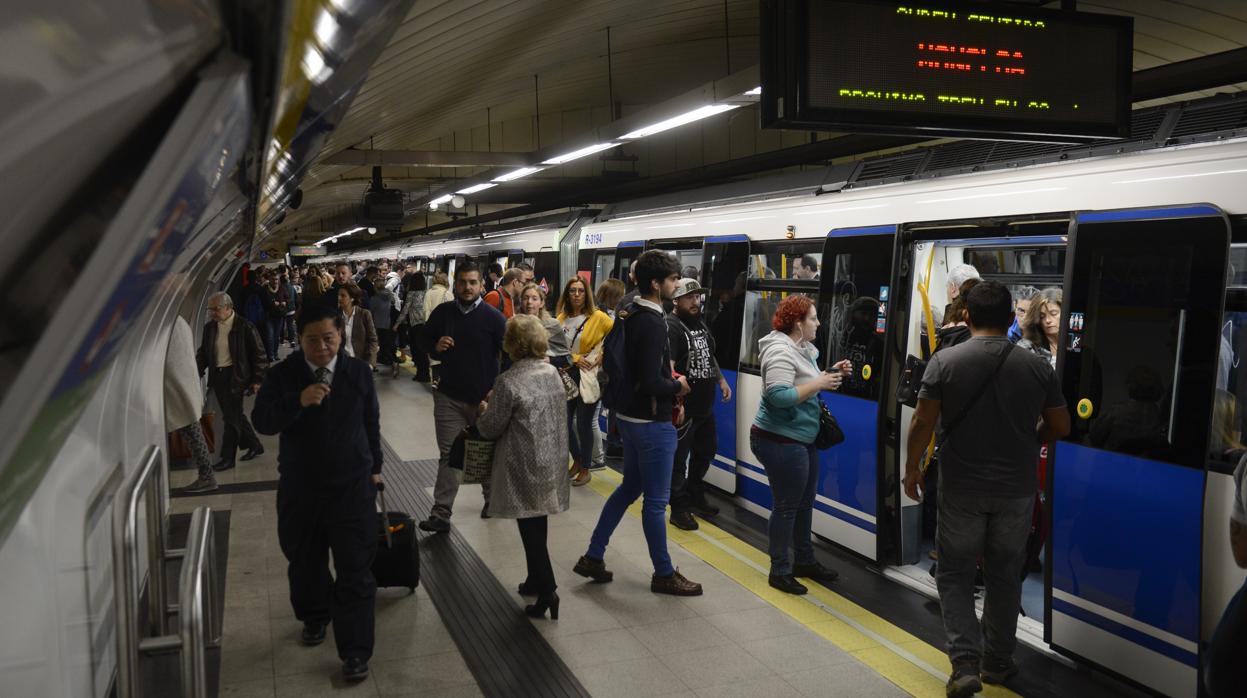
{"type": "Point", "coordinates": [883, 294]}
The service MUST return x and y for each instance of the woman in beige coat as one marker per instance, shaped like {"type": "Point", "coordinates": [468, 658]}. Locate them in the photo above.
{"type": "Point", "coordinates": [184, 401]}
{"type": "Point", "coordinates": [527, 414]}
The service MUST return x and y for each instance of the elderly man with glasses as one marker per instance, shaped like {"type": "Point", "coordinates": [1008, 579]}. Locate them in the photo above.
{"type": "Point", "coordinates": [233, 355]}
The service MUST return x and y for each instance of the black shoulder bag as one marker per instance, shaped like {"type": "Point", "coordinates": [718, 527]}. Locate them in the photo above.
{"type": "Point", "coordinates": [956, 421]}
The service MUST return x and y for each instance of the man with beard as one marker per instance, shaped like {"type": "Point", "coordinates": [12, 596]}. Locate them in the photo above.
{"type": "Point", "coordinates": [692, 355]}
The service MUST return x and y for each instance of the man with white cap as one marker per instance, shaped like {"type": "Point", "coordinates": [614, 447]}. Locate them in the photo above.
{"type": "Point", "coordinates": [692, 355]}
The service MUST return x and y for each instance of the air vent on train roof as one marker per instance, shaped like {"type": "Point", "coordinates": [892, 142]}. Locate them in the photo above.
{"type": "Point", "coordinates": [1217, 117]}
{"type": "Point", "coordinates": [892, 166]}
{"type": "Point", "coordinates": [959, 155]}
{"type": "Point", "coordinates": [1006, 151]}
{"type": "Point", "coordinates": [1144, 122]}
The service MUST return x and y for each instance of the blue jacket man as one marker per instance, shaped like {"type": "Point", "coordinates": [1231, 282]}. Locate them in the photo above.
{"type": "Point", "coordinates": [324, 405]}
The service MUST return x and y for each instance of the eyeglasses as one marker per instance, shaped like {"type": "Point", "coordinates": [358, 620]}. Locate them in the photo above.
{"type": "Point", "coordinates": [576, 291]}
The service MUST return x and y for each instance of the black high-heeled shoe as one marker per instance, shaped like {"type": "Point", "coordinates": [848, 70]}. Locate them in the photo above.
{"type": "Point", "coordinates": [526, 589]}
{"type": "Point", "coordinates": [538, 610]}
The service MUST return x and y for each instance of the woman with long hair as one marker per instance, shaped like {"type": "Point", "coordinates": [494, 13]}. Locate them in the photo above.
{"type": "Point", "coordinates": [585, 327]}
{"type": "Point", "coordinates": [1041, 326]}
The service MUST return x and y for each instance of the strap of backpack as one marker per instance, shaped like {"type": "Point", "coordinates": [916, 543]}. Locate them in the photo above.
{"type": "Point", "coordinates": [991, 377]}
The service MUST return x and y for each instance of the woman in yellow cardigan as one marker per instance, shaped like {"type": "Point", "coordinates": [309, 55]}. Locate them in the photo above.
{"type": "Point", "coordinates": [585, 327]}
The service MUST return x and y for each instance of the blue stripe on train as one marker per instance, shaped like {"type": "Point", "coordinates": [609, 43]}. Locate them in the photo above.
{"type": "Point", "coordinates": [1134, 637]}
{"type": "Point", "coordinates": [1142, 214]}
{"type": "Point", "coordinates": [1141, 522]}
{"type": "Point", "coordinates": [866, 230]}
{"type": "Point", "coordinates": [753, 492]}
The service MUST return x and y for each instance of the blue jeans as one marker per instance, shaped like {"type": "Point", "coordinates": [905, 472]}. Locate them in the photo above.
{"type": "Point", "coordinates": [648, 451]}
{"type": "Point", "coordinates": [994, 529]}
{"type": "Point", "coordinates": [580, 431]}
{"type": "Point", "coordinates": [793, 472]}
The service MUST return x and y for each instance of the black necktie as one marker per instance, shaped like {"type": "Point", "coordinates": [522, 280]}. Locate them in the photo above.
{"type": "Point", "coordinates": [322, 375]}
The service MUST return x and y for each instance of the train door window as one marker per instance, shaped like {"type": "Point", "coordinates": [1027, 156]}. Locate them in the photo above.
{"type": "Point", "coordinates": [624, 257]}
{"type": "Point", "coordinates": [450, 267]}
{"type": "Point", "coordinates": [502, 261]}
{"type": "Point", "coordinates": [1135, 332]}
{"type": "Point", "coordinates": [603, 266]}
{"type": "Point", "coordinates": [771, 277]}
{"type": "Point", "coordinates": [1229, 418]}
{"type": "Point", "coordinates": [690, 262]}
{"type": "Point", "coordinates": [724, 275]}
{"type": "Point", "coordinates": [856, 289]}
{"type": "Point", "coordinates": [546, 275]}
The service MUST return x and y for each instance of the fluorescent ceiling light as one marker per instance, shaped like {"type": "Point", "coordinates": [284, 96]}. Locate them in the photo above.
{"type": "Point", "coordinates": [314, 65]}
{"type": "Point", "coordinates": [326, 29]}
{"type": "Point", "coordinates": [516, 174]}
{"type": "Point", "coordinates": [686, 118]}
{"type": "Point", "coordinates": [441, 200]}
{"type": "Point", "coordinates": [588, 150]}
{"type": "Point", "coordinates": [476, 187]}
{"type": "Point", "coordinates": [755, 91]}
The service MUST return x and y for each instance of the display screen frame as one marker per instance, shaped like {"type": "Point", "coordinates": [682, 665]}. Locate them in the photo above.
{"type": "Point", "coordinates": [785, 72]}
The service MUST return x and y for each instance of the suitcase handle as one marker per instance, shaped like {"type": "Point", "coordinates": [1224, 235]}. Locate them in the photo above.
{"type": "Point", "coordinates": [385, 518]}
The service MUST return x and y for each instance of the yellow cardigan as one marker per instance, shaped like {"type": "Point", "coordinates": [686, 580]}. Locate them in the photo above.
{"type": "Point", "coordinates": [596, 327]}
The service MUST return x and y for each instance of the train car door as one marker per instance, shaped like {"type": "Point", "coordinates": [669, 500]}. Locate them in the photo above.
{"type": "Point", "coordinates": [856, 276]}
{"type": "Point", "coordinates": [1142, 338]}
{"type": "Point", "coordinates": [723, 266]}
{"type": "Point", "coordinates": [625, 254]}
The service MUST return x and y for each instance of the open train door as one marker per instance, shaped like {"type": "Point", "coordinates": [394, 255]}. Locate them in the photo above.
{"type": "Point", "coordinates": [855, 279]}
{"type": "Point", "coordinates": [724, 262]}
{"type": "Point", "coordinates": [1141, 344]}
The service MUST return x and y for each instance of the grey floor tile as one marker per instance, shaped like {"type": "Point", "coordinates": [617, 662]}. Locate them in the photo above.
{"type": "Point", "coordinates": [636, 677]}
{"type": "Point", "coordinates": [856, 679]}
{"type": "Point", "coordinates": [673, 637]}
{"type": "Point", "coordinates": [599, 647]}
{"type": "Point", "coordinates": [329, 683]}
{"type": "Point", "coordinates": [465, 691]}
{"type": "Point", "coordinates": [766, 687]}
{"type": "Point", "coordinates": [259, 688]}
{"type": "Point", "coordinates": [290, 657]}
{"type": "Point", "coordinates": [789, 653]}
{"type": "Point", "coordinates": [428, 675]}
{"type": "Point", "coordinates": [246, 665]}
{"type": "Point", "coordinates": [412, 641]}
{"type": "Point", "coordinates": [755, 624]}
{"type": "Point", "coordinates": [716, 666]}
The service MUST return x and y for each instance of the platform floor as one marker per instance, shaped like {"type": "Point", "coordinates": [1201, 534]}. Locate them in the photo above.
{"type": "Point", "coordinates": [741, 638]}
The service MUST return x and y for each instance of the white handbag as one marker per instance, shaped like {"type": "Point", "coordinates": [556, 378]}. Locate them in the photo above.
{"type": "Point", "coordinates": [590, 389]}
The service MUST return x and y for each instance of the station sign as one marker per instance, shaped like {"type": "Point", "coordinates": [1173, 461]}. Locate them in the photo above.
{"type": "Point", "coordinates": [307, 251]}
{"type": "Point", "coordinates": [985, 70]}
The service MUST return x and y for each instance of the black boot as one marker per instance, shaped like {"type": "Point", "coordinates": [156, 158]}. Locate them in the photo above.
{"type": "Point", "coordinates": [538, 610]}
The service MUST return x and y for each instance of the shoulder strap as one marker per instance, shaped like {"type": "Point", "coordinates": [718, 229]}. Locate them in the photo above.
{"type": "Point", "coordinates": [956, 421]}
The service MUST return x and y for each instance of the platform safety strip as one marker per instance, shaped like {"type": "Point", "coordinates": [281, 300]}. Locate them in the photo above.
{"type": "Point", "coordinates": [504, 651]}
{"type": "Point", "coordinates": [905, 660]}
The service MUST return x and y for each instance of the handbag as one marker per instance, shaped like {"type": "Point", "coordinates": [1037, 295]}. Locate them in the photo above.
{"type": "Point", "coordinates": [473, 456]}
{"type": "Point", "coordinates": [590, 389]}
{"type": "Point", "coordinates": [829, 431]}
{"type": "Point", "coordinates": [911, 381]}
{"type": "Point", "coordinates": [570, 388]}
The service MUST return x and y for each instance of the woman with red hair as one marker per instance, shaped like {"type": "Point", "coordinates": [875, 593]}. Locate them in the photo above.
{"type": "Point", "coordinates": [783, 434]}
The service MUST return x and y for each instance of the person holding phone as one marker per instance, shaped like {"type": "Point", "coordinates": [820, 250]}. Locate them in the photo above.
{"type": "Point", "coordinates": [783, 435]}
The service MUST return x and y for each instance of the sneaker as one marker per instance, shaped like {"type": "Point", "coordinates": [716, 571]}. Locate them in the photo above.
{"type": "Point", "coordinates": [705, 509]}
{"type": "Point", "coordinates": [593, 569]}
{"type": "Point", "coordinates": [787, 584]}
{"type": "Point", "coordinates": [998, 670]}
{"type": "Point", "coordinates": [964, 681]}
{"type": "Point", "coordinates": [815, 570]}
{"type": "Point", "coordinates": [200, 486]}
{"type": "Point", "coordinates": [597, 465]}
{"type": "Point", "coordinates": [676, 585]}
{"type": "Point", "coordinates": [683, 521]}
{"type": "Point", "coordinates": [435, 524]}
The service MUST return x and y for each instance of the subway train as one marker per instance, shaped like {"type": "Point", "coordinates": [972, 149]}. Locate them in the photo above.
{"type": "Point", "coordinates": [1148, 245]}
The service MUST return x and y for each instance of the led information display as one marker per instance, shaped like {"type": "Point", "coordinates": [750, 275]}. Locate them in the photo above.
{"type": "Point", "coordinates": [307, 251]}
{"type": "Point", "coordinates": [944, 68]}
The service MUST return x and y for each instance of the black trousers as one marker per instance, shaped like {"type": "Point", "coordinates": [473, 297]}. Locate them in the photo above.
{"type": "Point", "coordinates": [533, 533]}
{"type": "Point", "coordinates": [696, 445]}
{"type": "Point", "coordinates": [415, 341]}
{"type": "Point", "coordinates": [385, 340]}
{"type": "Point", "coordinates": [237, 426]}
{"type": "Point", "coordinates": [310, 524]}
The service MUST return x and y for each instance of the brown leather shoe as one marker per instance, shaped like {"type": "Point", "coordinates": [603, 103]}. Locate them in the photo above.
{"type": "Point", "coordinates": [676, 585]}
{"type": "Point", "coordinates": [593, 569]}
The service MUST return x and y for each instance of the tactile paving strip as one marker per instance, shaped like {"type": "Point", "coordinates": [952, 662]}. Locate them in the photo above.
{"type": "Point", "coordinates": [505, 653]}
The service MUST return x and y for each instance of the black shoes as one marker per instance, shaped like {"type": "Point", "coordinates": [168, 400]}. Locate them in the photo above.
{"type": "Point", "coordinates": [485, 511]}
{"type": "Point", "coordinates": [313, 633]}
{"type": "Point", "coordinates": [964, 681]}
{"type": "Point", "coordinates": [545, 601]}
{"type": "Point", "coordinates": [787, 584]}
{"type": "Point", "coordinates": [252, 453]}
{"type": "Point", "coordinates": [593, 569]}
{"type": "Point", "coordinates": [705, 509]}
{"type": "Point", "coordinates": [998, 670]}
{"type": "Point", "coordinates": [223, 465]}
{"type": "Point", "coordinates": [526, 590]}
{"type": "Point", "coordinates": [355, 669]}
{"type": "Point", "coordinates": [683, 521]}
{"type": "Point", "coordinates": [675, 585]}
{"type": "Point", "coordinates": [815, 570]}
{"type": "Point", "coordinates": [434, 524]}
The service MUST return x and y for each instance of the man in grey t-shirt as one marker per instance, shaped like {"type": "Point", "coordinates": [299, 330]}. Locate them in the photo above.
{"type": "Point", "coordinates": [987, 479]}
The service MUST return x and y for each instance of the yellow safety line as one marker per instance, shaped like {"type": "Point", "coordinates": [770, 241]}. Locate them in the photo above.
{"type": "Point", "coordinates": [903, 659]}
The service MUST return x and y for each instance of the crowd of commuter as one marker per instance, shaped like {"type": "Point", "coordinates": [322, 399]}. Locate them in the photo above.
{"type": "Point", "coordinates": [538, 380]}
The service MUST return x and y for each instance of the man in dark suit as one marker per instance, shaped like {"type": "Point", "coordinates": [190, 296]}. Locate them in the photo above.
{"type": "Point", "coordinates": [232, 353]}
{"type": "Point", "coordinates": [324, 405]}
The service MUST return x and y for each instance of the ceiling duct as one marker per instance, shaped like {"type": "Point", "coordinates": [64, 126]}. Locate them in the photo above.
{"type": "Point", "coordinates": [382, 206]}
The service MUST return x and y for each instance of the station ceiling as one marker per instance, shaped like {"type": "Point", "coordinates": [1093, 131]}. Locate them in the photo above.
{"type": "Point", "coordinates": [493, 79]}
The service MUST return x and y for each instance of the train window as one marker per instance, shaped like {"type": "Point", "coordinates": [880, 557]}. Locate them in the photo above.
{"type": "Point", "coordinates": [775, 270]}
{"type": "Point", "coordinates": [603, 265]}
{"type": "Point", "coordinates": [856, 307]}
{"type": "Point", "coordinates": [690, 262]}
{"type": "Point", "coordinates": [1046, 261]}
{"type": "Point", "coordinates": [724, 275]}
{"type": "Point", "coordinates": [1238, 265]}
{"type": "Point", "coordinates": [798, 261]}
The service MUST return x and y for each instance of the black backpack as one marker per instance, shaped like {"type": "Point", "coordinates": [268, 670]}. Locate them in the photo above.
{"type": "Point", "coordinates": [617, 388]}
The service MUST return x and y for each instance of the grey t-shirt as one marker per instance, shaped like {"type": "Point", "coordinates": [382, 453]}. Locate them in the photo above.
{"type": "Point", "coordinates": [993, 451]}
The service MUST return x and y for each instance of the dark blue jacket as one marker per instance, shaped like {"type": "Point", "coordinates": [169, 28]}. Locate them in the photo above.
{"type": "Point", "coordinates": [332, 445]}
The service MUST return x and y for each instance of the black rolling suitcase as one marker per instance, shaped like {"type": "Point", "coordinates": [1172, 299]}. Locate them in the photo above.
{"type": "Point", "coordinates": [397, 563]}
